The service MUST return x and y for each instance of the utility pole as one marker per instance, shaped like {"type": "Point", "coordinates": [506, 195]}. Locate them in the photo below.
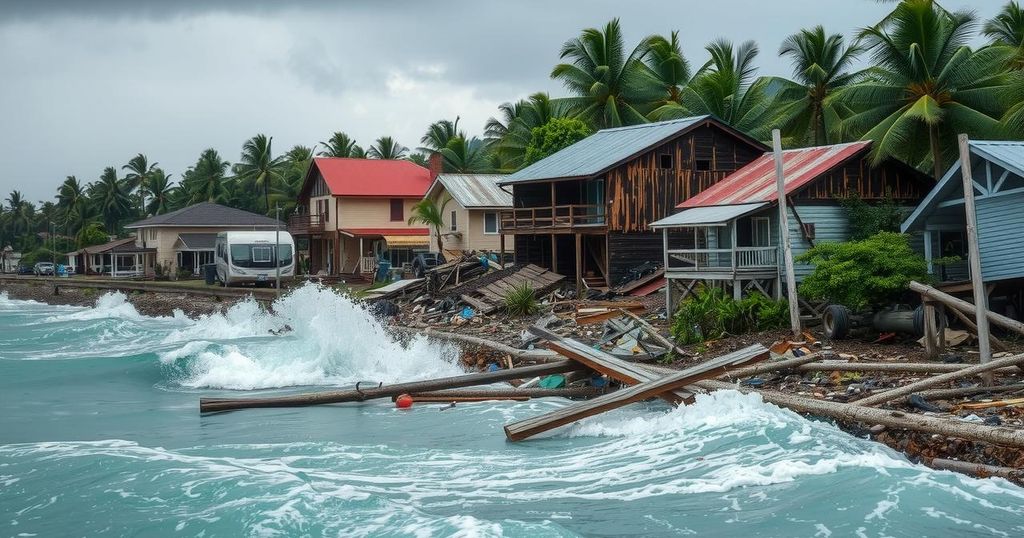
{"type": "Point", "coordinates": [787, 247]}
{"type": "Point", "coordinates": [277, 250]}
{"type": "Point", "coordinates": [974, 257]}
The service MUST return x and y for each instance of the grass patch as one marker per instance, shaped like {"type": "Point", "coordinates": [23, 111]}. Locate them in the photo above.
{"type": "Point", "coordinates": [522, 301]}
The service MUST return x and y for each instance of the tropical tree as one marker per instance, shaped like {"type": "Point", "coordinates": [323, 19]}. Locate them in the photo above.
{"type": "Point", "coordinates": [510, 135]}
{"type": "Point", "coordinates": [553, 136]}
{"type": "Point", "coordinates": [73, 203]}
{"type": "Point", "coordinates": [821, 64]}
{"type": "Point", "coordinates": [340, 145]}
{"type": "Point", "coordinates": [668, 67]}
{"type": "Point", "coordinates": [926, 86]}
{"type": "Point", "coordinates": [137, 178]}
{"type": "Point", "coordinates": [419, 158]}
{"type": "Point", "coordinates": [206, 181]}
{"type": "Point", "coordinates": [296, 163]}
{"type": "Point", "coordinates": [428, 212]}
{"type": "Point", "coordinates": [258, 168]}
{"type": "Point", "coordinates": [1007, 30]}
{"type": "Point", "coordinates": [110, 199]}
{"type": "Point", "coordinates": [21, 215]}
{"type": "Point", "coordinates": [162, 191]}
{"type": "Point", "coordinates": [609, 87]}
{"type": "Point", "coordinates": [465, 156]}
{"type": "Point", "coordinates": [386, 148]}
{"type": "Point", "coordinates": [439, 134]}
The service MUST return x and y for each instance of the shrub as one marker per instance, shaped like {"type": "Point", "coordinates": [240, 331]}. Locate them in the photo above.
{"type": "Point", "coordinates": [553, 136]}
{"type": "Point", "coordinates": [858, 274]}
{"type": "Point", "coordinates": [711, 313]}
{"type": "Point", "coordinates": [521, 301]}
{"type": "Point", "coordinates": [867, 220]}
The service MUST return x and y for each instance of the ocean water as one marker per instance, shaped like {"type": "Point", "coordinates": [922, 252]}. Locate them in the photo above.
{"type": "Point", "coordinates": [100, 434]}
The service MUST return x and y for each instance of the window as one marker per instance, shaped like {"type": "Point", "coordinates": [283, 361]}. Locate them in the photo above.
{"type": "Point", "coordinates": [397, 210]}
{"type": "Point", "coordinates": [454, 225]}
{"type": "Point", "coordinates": [490, 223]}
{"type": "Point", "coordinates": [665, 161]}
{"type": "Point", "coordinates": [760, 232]}
{"type": "Point", "coordinates": [702, 165]}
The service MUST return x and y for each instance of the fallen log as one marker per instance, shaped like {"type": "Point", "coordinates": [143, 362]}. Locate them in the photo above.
{"type": "Point", "coordinates": [946, 394]}
{"type": "Point", "coordinates": [772, 366]}
{"type": "Point", "coordinates": [207, 405]}
{"type": "Point", "coordinates": [972, 328]}
{"type": "Point", "coordinates": [523, 429]}
{"type": "Point", "coordinates": [498, 394]}
{"type": "Point", "coordinates": [964, 306]}
{"type": "Point", "coordinates": [976, 469]}
{"type": "Point", "coordinates": [890, 395]}
{"type": "Point", "coordinates": [949, 427]}
{"type": "Point", "coordinates": [535, 355]}
{"type": "Point", "coordinates": [425, 398]}
{"type": "Point", "coordinates": [902, 367]}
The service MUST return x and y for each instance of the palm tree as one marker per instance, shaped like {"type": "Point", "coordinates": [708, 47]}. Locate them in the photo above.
{"type": "Point", "coordinates": [439, 134]}
{"type": "Point", "coordinates": [206, 180]}
{"type": "Point", "coordinates": [430, 213]}
{"type": "Point", "coordinates": [509, 135]}
{"type": "Point", "coordinates": [668, 67]}
{"type": "Point", "coordinates": [1007, 30]}
{"type": "Point", "coordinates": [109, 198]}
{"type": "Point", "coordinates": [163, 192]}
{"type": "Point", "coordinates": [465, 156]}
{"type": "Point", "coordinates": [258, 167]}
{"type": "Point", "coordinates": [73, 203]}
{"type": "Point", "coordinates": [927, 85]}
{"type": "Point", "coordinates": [340, 145]}
{"type": "Point", "coordinates": [137, 178]}
{"type": "Point", "coordinates": [386, 148]}
{"type": "Point", "coordinates": [21, 215]}
{"type": "Point", "coordinates": [296, 163]}
{"type": "Point", "coordinates": [609, 88]}
{"type": "Point", "coordinates": [821, 65]}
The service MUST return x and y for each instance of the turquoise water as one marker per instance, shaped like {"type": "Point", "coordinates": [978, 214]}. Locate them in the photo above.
{"type": "Point", "coordinates": [100, 435]}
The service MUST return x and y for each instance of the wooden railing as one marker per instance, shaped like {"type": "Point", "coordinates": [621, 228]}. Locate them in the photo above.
{"type": "Point", "coordinates": [306, 224]}
{"type": "Point", "coordinates": [722, 259]}
{"type": "Point", "coordinates": [559, 216]}
{"type": "Point", "coordinates": [368, 264]}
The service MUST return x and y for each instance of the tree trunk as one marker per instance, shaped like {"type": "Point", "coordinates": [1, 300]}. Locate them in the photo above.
{"type": "Point", "coordinates": [933, 138]}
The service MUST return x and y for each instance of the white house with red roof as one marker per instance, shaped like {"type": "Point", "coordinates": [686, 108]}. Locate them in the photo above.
{"type": "Point", "coordinates": [728, 235]}
{"type": "Point", "coordinates": [352, 212]}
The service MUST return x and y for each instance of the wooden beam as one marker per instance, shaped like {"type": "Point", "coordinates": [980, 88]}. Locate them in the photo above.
{"type": "Point", "coordinates": [579, 262]}
{"type": "Point", "coordinates": [523, 429]}
{"type": "Point", "coordinates": [974, 254]}
{"type": "Point", "coordinates": [985, 368]}
{"type": "Point", "coordinates": [787, 244]}
{"type": "Point", "coordinates": [996, 343]}
{"type": "Point", "coordinates": [960, 304]}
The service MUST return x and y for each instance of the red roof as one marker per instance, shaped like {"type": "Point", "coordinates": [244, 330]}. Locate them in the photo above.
{"type": "Point", "coordinates": [373, 177]}
{"type": "Point", "coordinates": [356, 232]}
{"type": "Point", "coordinates": [756, 182]}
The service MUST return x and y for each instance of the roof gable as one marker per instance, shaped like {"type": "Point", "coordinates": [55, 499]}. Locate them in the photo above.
{"type": "Point", "coordinates": [756, 182]}
{"type": "Point", "coordinates": [390, 178]}
{"type": "Point", "coordinates": [472, 190]}
{"type": "Point", "coordinates": [608, 148]}
{"type": "Point", "coordinates": [207, 214]}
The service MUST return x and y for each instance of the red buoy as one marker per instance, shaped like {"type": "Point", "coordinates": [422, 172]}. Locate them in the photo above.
{"type": "Point", "coordinates": [403, 402]}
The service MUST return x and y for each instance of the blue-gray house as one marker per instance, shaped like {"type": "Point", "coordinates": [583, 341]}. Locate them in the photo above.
{"type": "Point", "coordinates": [998, 169]}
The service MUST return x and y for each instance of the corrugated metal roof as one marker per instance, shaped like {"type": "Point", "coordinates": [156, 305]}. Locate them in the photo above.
{"type": "Point", "coordinates": [756, 181]}
{"type": "Point", "coordinates": [473, 190]}
{"type": "Point", "coordinates": [372, 177]}
{"type": "Point", "coordinates": [715, 215]}
{"type": "Point", "coordinates": [602, 150]}
{"type": "Point", "coordinates": [1009, 154]}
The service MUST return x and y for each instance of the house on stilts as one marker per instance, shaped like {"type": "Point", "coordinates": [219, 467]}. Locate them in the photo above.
{"type": "Point", "coordinates": [585, 211]}
{"type": "Point", "coordinates": [728, 235]}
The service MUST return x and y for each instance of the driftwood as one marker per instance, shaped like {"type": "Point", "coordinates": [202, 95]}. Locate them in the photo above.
{"type": "Point", "coordinates": [534, 355]}
{"type": "Point", "coordinates": [653, 333]}
{"type": "Point", "coordinates": [976, 469]}
{"type": "Point", "coordinates": [903, 367]}
{"type": "Point", "coordinates": [523, 429]}
{"type": "Point", "coordinates": [207, 405]}
{"type": "Point", "coordinates": [773, 366]}
{"type": "Point", "coordinates": [973, 328]}
{"type": "Point", "coordinates": [964, 306]}
{"type": "Point", "coordinates": [946, 394]}
{"type": "Point", "coordinates": [950, 427]}
{"type": "Point", "coordinates": [517, 393]}
{"type": "Point", "coordinates": [890, 395]}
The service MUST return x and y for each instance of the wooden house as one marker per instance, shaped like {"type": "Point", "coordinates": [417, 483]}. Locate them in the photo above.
{"type": "Point", "coordinates": [998, 170]}
{"type": "Point", "coordinates": [585, 211]}
{"type": "Point", "coordinates": [471, 205]}
{"type": "Point", "coordinates": [353, 212]}
{"type": "Point", "coordinates": [728, 235]}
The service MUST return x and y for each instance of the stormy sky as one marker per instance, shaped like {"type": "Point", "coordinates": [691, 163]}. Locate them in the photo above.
{"type": "Point", "coordinates": [88, 84]}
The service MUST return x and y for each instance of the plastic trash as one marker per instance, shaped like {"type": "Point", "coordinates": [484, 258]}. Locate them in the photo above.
{"type": "Point", "coordinates": [467, 313]}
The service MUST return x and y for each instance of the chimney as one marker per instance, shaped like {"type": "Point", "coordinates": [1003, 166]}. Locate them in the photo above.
{"type": "Point", "coordinates": [435, 163]}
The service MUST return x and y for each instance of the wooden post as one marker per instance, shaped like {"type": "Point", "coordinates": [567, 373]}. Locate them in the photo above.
{"type": "Point", "coordinates": [668, 278]}
{"type": "Point", "coordinates": [554, 253]}
{"type": "Point", "coordinates": [930, 349]}
{"type": "Point", "coordinates": [928, 256]}
{"type": "Point", "coordinates": [501, 243]}
{"type": "Point", "coordinates": [974, 256]}
{"type": "Point", "coordinates": [787, 246]}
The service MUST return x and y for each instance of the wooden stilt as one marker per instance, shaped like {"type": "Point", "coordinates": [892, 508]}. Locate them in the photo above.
{"type": "Point", "coordinates": [787, 245]}
{"type": "Point", "coordinates": [974, 254]}
{"type": "Point", "coordinates": [931, 349]}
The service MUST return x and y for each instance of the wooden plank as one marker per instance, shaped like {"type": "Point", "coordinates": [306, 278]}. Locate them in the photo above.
{"type": "Point", "coordinates": [523, 429]}
{"type": "Point", "coordinates": [606, 363]}
{"type": "Point", "coordinates": [954, 302]}
{"type": "Point", "coordinates": [478, 304]}
{"type": "Point", "coordinates": [983, 369]}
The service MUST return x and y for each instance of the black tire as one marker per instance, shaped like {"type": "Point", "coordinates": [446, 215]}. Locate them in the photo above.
{"type": "Point", "coordinates": [836, 321]}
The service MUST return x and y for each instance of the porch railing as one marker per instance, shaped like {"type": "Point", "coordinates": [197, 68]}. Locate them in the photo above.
{"type": "Point", "coordinates": [722, 259]}
{"type": "Point", "coordinates": [559, 216]}
{"type": "Point", "coordinates": [367, 264]}
{"type": "Point", "coordinates": [306, 224]}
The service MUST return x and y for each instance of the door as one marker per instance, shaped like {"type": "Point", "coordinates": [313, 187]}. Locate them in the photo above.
{"type": "Point", "coordinates": [593, 195]}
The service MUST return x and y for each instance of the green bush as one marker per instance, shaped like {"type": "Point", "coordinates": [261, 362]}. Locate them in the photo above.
{"type": "Point", "coordinates": [711, 313]}
{"type": "Point", "coordinates": [553, 136]}
{"type": "Point", "coordinates": [867, 220]}
{"type": "Point", "coordinates": [858, 274]}
{"type": "Point", "coordinates": [521, 301]}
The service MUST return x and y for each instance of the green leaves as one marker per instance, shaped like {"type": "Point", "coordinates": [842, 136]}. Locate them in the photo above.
{"type": "Point", "coordinates": [553, 136]}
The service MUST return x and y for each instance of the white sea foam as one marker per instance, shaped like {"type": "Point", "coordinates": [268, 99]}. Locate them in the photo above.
{"type": "Point", "coordinates": [110, 305]}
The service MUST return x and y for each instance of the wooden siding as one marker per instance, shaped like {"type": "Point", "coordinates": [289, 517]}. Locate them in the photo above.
{"type": "Point", "coordinates": [892, 178]}
{"type": "Point", "coordinates": [640, 192]}
{"type": "Point", "coordinates": [1000, 221]}
{"type": "Point", "coordinates": [319, 187]}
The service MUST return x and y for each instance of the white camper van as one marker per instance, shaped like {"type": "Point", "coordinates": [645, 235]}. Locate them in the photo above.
{"type": "Point", "coordinates": [248, 257]}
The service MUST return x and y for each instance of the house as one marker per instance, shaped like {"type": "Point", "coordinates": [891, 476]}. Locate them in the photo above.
{"type": "Point", "coordinates": [183, 239]}
{"type": "Point", "coordinates": [585, 211]}
{"type": "Point", "coordinates": [729, 234]}
{"type": "Point", "coordinates": [352, 212]}
{"type": "Point", "coordinates": [471, 205]}
{"type": "Point", "coordinates": [998, 174]}
{"type": "Point", "coordinates": [120, 257]}
{"type": "Point", "coordinates": [9, 259]}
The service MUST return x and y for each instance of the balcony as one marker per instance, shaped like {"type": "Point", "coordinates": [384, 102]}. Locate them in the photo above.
{"type": "Point", "coordinates": [553, 219]}
{"type": "Point", "coordinates": [726, 263]}
{"type": "Point", "coordinates": [306, 224]}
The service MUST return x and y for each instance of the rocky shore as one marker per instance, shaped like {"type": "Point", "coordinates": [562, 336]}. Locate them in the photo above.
{"type": "Point", "coordinates": [146, 303]}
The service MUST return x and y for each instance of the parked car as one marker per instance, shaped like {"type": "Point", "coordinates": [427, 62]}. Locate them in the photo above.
{"type": "Point", "coordinates": [43, 268]}
{"type": "Point", "coordinates": [24, 270]}
{"type": "Point", "coordinates": [424, 261]}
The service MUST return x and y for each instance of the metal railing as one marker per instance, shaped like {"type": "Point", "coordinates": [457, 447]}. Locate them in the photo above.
{"type": "Point", "coordinates": [722, 259]}
{"type": "Point", "coordinates": [306, 224]}
{"type": "Point", "coordinates": [559, 216]}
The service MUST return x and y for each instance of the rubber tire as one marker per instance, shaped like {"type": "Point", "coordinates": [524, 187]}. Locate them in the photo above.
{"type": "Point", "coordinates": [836, 321]}
{"type": "Point", "coordinates": [919, 321]}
